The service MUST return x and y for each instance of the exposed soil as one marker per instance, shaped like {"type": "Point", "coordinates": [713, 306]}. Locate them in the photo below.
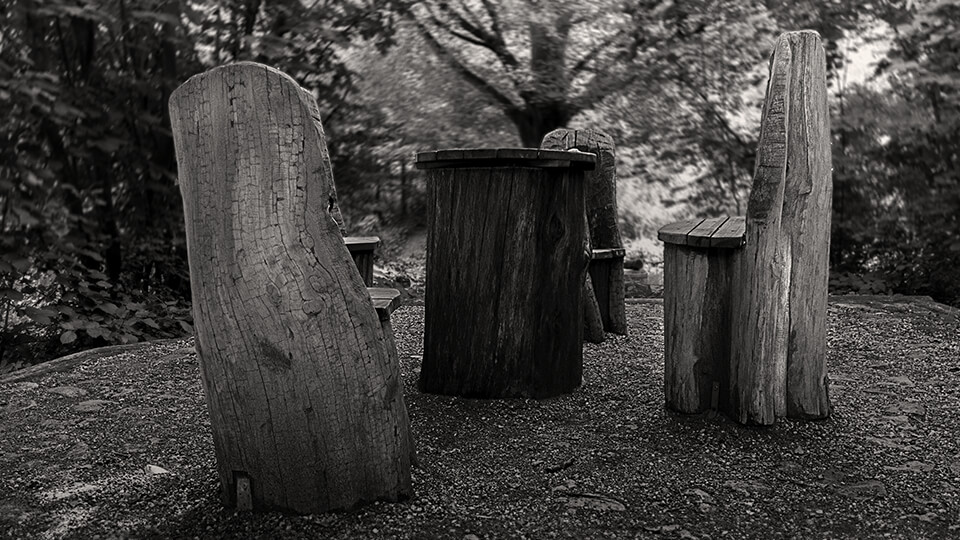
{"type": "Point", "coordinates": [117, 444]}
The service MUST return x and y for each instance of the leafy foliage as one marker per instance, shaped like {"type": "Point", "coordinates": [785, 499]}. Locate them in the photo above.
{"type": "Point", "coordinates": [92, 237]}
{"type": "Point", "coordinates": [897, 174]}
{"type": "Point", "coordinates": [91, 229]}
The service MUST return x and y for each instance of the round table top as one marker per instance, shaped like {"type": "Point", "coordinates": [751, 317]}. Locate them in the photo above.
{"type": "Point", "coordinates": [505, 157]}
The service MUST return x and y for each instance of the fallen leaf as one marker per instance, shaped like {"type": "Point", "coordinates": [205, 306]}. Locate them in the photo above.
{"type": "Point", "coordinates": [68, 391]}
{"type": "Point", "coordinates": [594, 501]}
{"type": "Point", "coordinates": [891, 443]}
{"type": "Point", "coordinates": [925, 502]}
{"type": "Point", "coordinates": [701, 494]}
{"type": "Point", "coordinates": [907, 407]}
{"type": "Point", "coordinates": [560, 466]}
{"type": "Point", "coordinates": [745, 487]}
{"type": "Point", "coordinates": [929, 517]}
{"type": "Point", "coordinates": [78, 450]}
{"type": "Point", "coordinates": [663, 528]}
{"type": "Point", "coordinates": [867, 489]}
{"type": "Point", "coordinates": [913, 466]}
{"type": "Point", "coordinates": [92, 405]}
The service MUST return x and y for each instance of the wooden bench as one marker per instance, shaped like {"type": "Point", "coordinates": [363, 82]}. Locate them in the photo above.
{"type": "Point", "coordinates": [361, 249]}
{"type": "Point", "coordinates": [698, 259]}
{"type": "Point", "coordinates": [745, 299]}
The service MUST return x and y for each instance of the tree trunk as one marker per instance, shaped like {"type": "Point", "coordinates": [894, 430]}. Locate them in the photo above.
{"type": "Point", "coordinates": [535, 121]}
{"type": "Point", "coordinates": [302, 385]}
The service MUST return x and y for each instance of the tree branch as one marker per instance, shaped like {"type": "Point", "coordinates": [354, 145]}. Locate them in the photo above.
{"type": "Point", "coordinates": [454, 63]}
{"type": "Point", "coordinates": [492, 40]}
{"type": "Point", "coordinates": [592, 53]}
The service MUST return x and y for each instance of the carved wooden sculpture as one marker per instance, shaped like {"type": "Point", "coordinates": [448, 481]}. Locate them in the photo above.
{"type": "Point", "coordinates": [301, 379]}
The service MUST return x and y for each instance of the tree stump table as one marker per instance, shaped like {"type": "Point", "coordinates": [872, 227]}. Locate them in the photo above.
{"type": "Point", "coordinates": [505, 267]}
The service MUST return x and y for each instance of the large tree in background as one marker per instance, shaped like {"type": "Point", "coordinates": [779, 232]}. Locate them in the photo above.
{"type": "Point", "coordinates": [543, 62]}
{"type": "Point", "coordinates": [671, 81]}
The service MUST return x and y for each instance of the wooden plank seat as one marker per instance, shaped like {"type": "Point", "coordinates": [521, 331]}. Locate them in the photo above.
{"type": "Point", "coordinates": [385, 301]}
{"type": "Point", "coordinates": [608, 253]}
{"type": "Point", "coordinates": [362, 249]}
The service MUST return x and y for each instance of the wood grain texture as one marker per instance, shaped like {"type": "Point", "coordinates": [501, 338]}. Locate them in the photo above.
{"type": "Point", "coordinates": [501, 157]}
{"type": "Point", "coordinates": [806, 217]}
{"type": "Point", "coordinates": [778, 300]}
{"type": "Point", "coordinates": [730, 234]}
{"type": "Point", "coordinates": [505, 264]}
{"type": "Point", "coordinates": [759, 295]}
{"type": "Point", "coordinates": [601, 210]}
{"type": "Point", "coordinates": [302, 384]}
{"type": "Point", "coordinates": [700, 235]}
{"type": "Point", "coordinates": [696, 306]}
{"type": "Point", "coordinates": [592, 317]}
{"type": "Point", "coordinates": [676, 233]}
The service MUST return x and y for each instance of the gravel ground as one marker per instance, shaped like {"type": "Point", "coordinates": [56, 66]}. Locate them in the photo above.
{"type": "Point", "coordinates": [119, 446]}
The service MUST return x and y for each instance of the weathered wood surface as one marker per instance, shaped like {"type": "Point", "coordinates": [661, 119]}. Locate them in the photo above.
{"type": "Point", "coordinates": [808, 194]}
{"type": "Point", "coordinates": [777, 297]}
{"type": "Point", "coordinates": [592, 316]}
{"type": "Point", "coordinates": [696, 308]}
{"type": "Point", "coordinates": [302, 383]}
{"type": "Point", "coordinates": [705, 233]}
{"type": "Point", "coordinates": [759, 296]}
{"type": "Point", "coordinates": [362, 249]}
{"type": "Point", "coordinates": [505, 264]}
{"type": "Point", "coordinates": [778, 352]}
{"type": "Point", "coordinates": [601, 210]}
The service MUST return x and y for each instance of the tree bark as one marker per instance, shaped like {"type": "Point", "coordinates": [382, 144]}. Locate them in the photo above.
{"type": "Point", "coordinates": [302, 385]}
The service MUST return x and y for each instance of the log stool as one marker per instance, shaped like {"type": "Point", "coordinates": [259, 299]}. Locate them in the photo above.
{"type": "Point", "coordinates": [698, 261]}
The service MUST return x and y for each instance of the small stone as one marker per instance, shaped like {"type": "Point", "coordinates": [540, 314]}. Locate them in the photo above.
{"type": "Point", "coordinates": [78, 450]}
{"type": "Point", "coordinates": [153, 470]}
{"type": "Point", "coordinates": [68, 391]}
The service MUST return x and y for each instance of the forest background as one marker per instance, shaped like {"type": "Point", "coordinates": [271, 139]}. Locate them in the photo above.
{"type": "Point", "coordinates": [93, 246]}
